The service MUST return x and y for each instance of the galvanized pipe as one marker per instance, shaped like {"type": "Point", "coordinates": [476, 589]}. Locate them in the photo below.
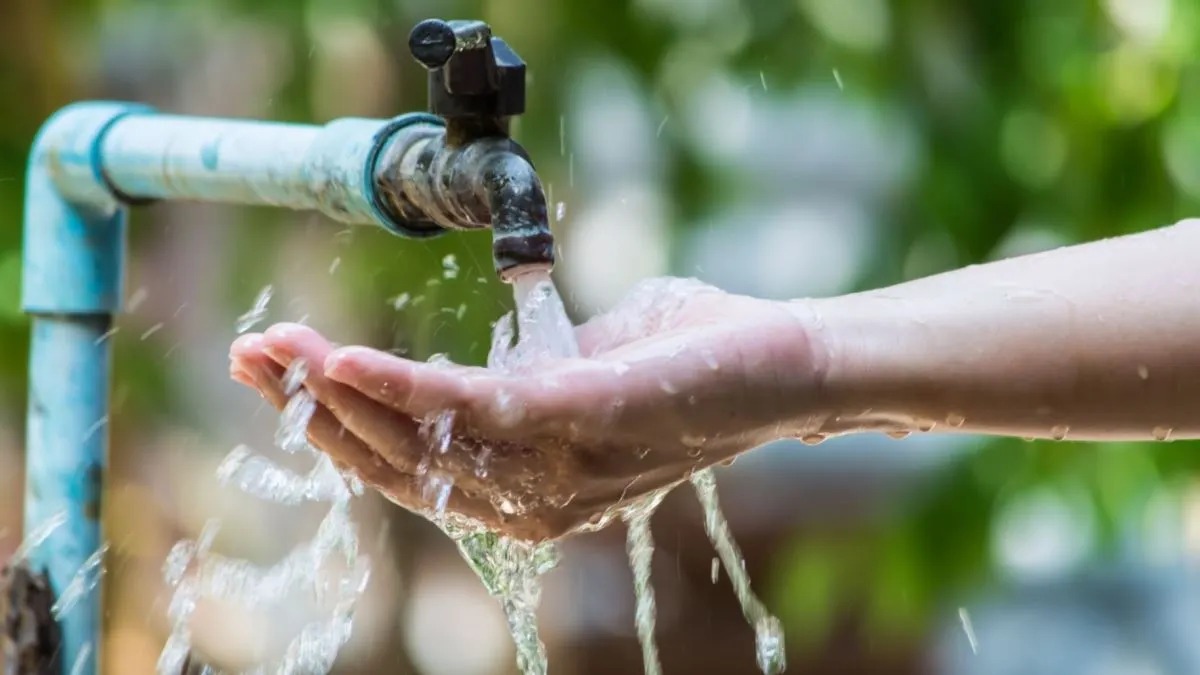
{"type": "Point", "coordinates": [87, 164]}
{"type": "Point", "coordinates": [71, 287]}
{"type": "Point", "coordinates": [328, 168]}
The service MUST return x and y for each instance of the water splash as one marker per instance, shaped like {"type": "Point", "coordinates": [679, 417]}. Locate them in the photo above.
{"type": "Point", "coordinates": [85, 581]}
{"type": "Point", "coordinates": [768, 631]}
{"type": "Point", "coordinates": [968, 629]}
{"type": "Point", "coordinates": [639, 544]}
{"type": "Point", "coordinates": [510, 569]}
{"type": "Point", "coordinates": [38, 536]}
{"type": "Point", "coordinates": [327, 569]}
{"type": "Point", "coordinates": [256, 313]}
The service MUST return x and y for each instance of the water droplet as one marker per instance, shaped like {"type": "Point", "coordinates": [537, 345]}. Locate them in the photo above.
{"type": "Point", "coordinates": [86, 578]}
{"type": "Point", "coordinates": [899, 435]}
{"type": "Point", "coordinates": [926, 425]}
{"type": "Point", "coordinates": [294, 376]}
{"type": "Point", "coordinates": [620, 368]}
{"type": "Point", "coordinates": [642, 452]}
{"type": "Point", "coordinates": [334, 265]}
{"type": "Point", "coordinates": [106, 335]}
{"type": "Point", "coordinates": [812, 439]}
{"type": "Point", "coordinates": [449, 267]}
{"type": "Point", "coordinates": [955, 420]}
{"type": "Point", "coordinates": [139, 296]}
{"type": "Point", "coordinates": [257, 312]}
{"type": "Point", "coordinates": [398, 303]}
{"type": "Point", "coordinates": [507, 412]}
{"type": "Point", "coordinates": [968, 629]}
{"type": "Point", "coordinates": [1143, 372]}
{"type": "Point", "coordinates": [482, 461]}
{"type": "Point", "coordinates": [292, 433]}
{"type": "Point", "coordinates": [768, 641]}
{"type": "Point", "coordinates": [436, 490]}
{"type": "Point", "coordinates": [710, 359]}
{"type": "Point", "coordinates": [716, 569]}
{"type": "Point", "coordinates": [695, 453]}
{"type": "Point", "coordinates": [1162, 433]}
{"type": "Point", "coordinates": [437, 430]}
{"type": "Point", "coordinates": [668, 387]}
{"type": "Point", "coordinates": [1059, 432]}
{"type": "Point", "coordinates": [837, 78]}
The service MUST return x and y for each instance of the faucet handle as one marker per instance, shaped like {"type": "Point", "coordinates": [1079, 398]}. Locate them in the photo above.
{"type": "Point", "coordinates": [471, 73]}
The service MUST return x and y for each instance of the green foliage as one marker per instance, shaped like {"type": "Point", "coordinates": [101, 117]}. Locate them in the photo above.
{"type": "Point", "coordinates": [1024, 111]}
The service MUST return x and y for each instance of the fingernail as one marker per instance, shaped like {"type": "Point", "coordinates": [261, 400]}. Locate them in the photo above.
{"type": "Point", "coordinates": [241, 376]}
{"type": "Point", "coordinates": [277, 353]}
{"type": "Point", "coordinates": [335, 365]}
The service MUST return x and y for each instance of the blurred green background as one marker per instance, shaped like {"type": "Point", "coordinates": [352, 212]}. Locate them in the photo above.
{"type": "Point", "coordinates": [783, 148]}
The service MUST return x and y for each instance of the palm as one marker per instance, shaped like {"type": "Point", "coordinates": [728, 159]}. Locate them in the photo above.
{"type": "Point", "coordinates": [542, 454]}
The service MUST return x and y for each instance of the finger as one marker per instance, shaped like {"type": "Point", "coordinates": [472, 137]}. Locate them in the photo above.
{"type": "Point", "coordinates": [419, 389]}
{"type": "Point", "coordinates": [244, 348]}
{"type": "Point", "coordinates": [346, 450]}
{"type": "Point", "coordinates": [574, 396]}
{"type": "Point", "coordinates": [268, 360]}
{"type": "Point", "coordinates": [394, 436]}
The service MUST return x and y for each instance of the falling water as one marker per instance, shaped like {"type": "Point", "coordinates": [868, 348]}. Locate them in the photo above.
{"type": "Point", "coordinates": [639, 544]}
{"type": "Point", "coordinates": [510, 569]}
{"type": "Point", "coordinates": [327, 568]}
{"type": "Point", "coordinates": [768, 631]}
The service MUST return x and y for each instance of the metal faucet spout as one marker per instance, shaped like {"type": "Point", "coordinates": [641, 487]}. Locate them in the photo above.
{"type": "Point", "coordinates": [521, 238]}
{"type": "Point", "coordinates": [470, 175]}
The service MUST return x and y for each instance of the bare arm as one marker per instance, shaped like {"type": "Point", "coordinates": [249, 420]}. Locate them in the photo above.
{"type": "Point", "coordinates": [1099, 341]}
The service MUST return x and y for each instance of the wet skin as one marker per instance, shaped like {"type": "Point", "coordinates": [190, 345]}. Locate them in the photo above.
{"type": "Point", "coordinates": [1095, 342]}
{"type": "Point", "coordinates": [668, 383]}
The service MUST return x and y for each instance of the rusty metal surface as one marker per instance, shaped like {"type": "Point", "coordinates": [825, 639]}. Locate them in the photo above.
{"type": "Point", "coordinates": [30, 642]}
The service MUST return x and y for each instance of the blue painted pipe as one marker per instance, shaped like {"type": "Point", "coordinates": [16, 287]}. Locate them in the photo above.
{"type": "Point", "coordinates": [88, 163]}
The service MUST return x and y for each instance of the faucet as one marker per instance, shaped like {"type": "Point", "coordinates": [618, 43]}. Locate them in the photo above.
{"type": "Point", "coordinates": [471, 173]}
{"type": "Point", "coordinates": [417, 175]}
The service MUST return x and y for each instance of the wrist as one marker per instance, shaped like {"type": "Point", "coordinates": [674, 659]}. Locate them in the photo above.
{"type": "Point", "coordinates": [857, 344]}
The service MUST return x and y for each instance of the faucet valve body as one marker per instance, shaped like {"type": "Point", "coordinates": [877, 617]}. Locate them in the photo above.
{"type": "Point", "coordinates": [468, 174]}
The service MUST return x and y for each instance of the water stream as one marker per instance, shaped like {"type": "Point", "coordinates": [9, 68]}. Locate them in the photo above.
{"type": "Point", "coordinates": [328, 568]}
{"type": "Point", "coordinates": [639, 544]}
{"type": "Point", "coordinates": [768, 631]}
{"type": "Point", "coordinates": [511, 569]}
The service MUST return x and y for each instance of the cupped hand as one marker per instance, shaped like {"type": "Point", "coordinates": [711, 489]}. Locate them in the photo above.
{"type": "Point", "coordinates": [677, 377]}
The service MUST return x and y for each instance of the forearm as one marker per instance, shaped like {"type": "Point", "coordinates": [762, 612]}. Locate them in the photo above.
{"type": "Point", "coordinates": [1097, 341]}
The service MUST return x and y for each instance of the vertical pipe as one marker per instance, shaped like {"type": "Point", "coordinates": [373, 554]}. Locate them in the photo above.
{"type": "Point", "coordinates": [67, 438]}
{"type": "Point", "coordinates": [71, 286]}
